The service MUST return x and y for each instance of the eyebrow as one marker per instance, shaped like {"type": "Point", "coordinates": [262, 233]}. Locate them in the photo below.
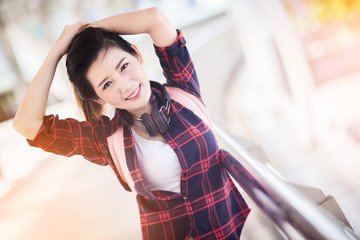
{"type": "Point", "coordinates": [116, 67]}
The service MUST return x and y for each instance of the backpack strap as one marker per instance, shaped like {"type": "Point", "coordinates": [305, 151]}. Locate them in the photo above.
{"type": "Point", "coordinates": [116, 140]}
{"type": "Point", "coordinates": [191, 102]}
{"type": "Point", "coordinates": [117, 151]}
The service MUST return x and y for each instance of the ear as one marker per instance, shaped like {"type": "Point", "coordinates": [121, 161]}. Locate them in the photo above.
{"type": "Point", "coordinates": [99, 101]}
{"type": "Point", "coordinates": [138, 54]}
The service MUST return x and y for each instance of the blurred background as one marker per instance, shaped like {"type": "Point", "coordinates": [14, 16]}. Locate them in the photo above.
{"type": "Point", "coordinates": [284, 74]}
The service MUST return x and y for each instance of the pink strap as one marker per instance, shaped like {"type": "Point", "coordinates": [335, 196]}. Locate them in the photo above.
{"type": "Point", "coordinates": [116, 147]}
{"type": "Point", "coordinates": [191, 102]}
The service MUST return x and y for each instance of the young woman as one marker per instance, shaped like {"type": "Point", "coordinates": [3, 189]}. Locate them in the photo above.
{"type": "Point", "coordinates": [172, 160]}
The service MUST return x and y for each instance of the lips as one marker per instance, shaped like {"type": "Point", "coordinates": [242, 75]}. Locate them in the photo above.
{"type": "Point", "coordinates": [135, 94]}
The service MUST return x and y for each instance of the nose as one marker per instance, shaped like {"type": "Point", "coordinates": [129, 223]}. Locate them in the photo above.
{"type": "Point", "coordinates": [123, 84]}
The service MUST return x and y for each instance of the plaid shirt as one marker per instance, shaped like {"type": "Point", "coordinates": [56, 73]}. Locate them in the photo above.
{"type": "Point", "coordinates": [209, 205]}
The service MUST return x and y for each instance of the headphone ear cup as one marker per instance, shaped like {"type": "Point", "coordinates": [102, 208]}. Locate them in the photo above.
{"type": "Point", "coordinates": [160, 121]}
{"type": "Point", "coordinates": [149, 125]}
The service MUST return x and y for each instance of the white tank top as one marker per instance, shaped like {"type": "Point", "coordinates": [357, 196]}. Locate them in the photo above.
{"type": "Point", "coordinates": [158, 163]}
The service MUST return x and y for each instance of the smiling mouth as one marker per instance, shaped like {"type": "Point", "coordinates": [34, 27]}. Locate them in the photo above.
{"type": "Point", "coordinates": [135, 94]}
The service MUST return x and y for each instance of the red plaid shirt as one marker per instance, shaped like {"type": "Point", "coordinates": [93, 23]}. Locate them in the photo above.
{"type": "Point", "coordinates": [209, 205]}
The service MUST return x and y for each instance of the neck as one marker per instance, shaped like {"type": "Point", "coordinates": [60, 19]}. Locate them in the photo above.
{"type": "Point", "coordinates": [136, 114]}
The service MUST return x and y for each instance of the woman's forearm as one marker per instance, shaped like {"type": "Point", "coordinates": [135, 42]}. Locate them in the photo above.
{"type": "Point", "coordinates": [151, 21]}
{"type": "Point", "coordinates": [31, 111]}
{"type": "Point", "coordinates": [30, 114]}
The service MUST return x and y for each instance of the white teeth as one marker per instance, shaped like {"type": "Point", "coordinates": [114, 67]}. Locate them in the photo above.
{"type": "Point", "coordinates": [134, 94]}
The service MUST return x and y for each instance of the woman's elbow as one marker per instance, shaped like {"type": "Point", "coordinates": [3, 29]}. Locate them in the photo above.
{"type": "Point", "coordinates": [26, 129]}
{"type": "Point", "coordinates": [157, 17]}
{"type": "Point", "coordinates": [155, 12]}
{"type": "Point", "coordinates": [161, 29]}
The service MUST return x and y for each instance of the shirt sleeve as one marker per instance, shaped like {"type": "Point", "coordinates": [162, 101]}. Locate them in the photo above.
{"type": "Point", "coordinates": [68, 137]}
{"type": "Point", "coordinates": [178, 67]}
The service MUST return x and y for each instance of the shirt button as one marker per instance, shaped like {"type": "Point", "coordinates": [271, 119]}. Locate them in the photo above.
{"type": "Point", "coordinates": [185, 198]}
{"type": "Point", "coordinates": [191, 223]}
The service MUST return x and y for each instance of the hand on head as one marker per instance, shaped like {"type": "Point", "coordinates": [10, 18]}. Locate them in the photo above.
{"type": "Point", "coordinates": [63, 42]}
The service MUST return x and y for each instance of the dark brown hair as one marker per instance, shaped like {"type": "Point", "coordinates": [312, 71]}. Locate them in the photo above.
{"type": "Point", "coordinates": [84, 50]}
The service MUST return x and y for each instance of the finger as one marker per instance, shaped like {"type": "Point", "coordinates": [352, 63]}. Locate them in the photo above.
{"type": "Point", "coordinates": [83, 22]}
{"type": "Point", "coordinates": [78, 25]}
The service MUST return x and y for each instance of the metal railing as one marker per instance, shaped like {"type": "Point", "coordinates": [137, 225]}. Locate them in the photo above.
{"type": "Point", "coordinates": [290, 210]}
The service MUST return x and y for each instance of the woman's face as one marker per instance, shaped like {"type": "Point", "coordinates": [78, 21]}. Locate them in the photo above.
{"type": "Point", "coordinates": [119, 79]}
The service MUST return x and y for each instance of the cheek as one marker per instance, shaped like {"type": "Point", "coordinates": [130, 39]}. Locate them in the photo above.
{"type": "Point", "coordinates": [147, 88]}
{"type": "Point", "coordinates": [140, 71]}
{"type": "Point", "coordinates": [112, 95]}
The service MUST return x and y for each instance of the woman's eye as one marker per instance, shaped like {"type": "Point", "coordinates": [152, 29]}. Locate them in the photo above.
{"type": "Point", "coordinates": [124, 66]}
{"type": "Point", "coordinates": [106, 85]}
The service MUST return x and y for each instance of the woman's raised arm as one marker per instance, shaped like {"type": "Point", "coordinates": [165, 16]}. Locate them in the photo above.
{"type": "Point", "coordinates": [31, 111]}
{"type": "Point", "coordinates": [30, 114]}
{"type": "Point", "coordinates": [151, 21]}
